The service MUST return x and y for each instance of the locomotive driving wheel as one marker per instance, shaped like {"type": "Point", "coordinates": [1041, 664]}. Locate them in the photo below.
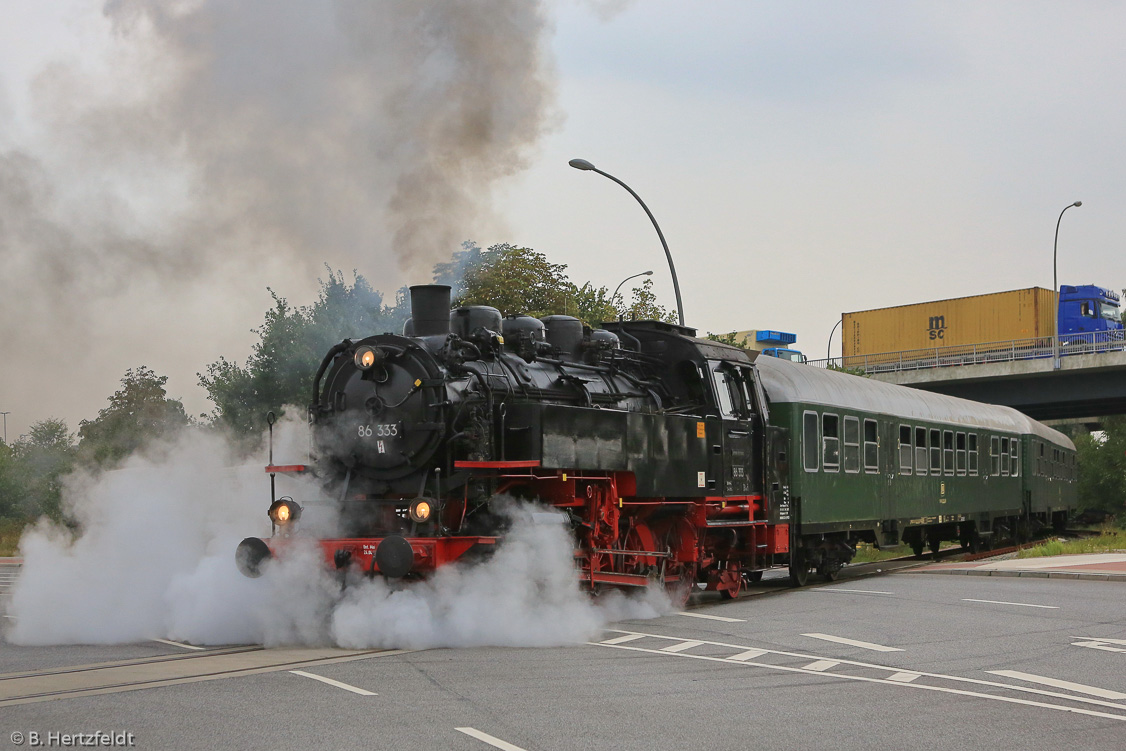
{"type": "Point", "coordinates": [679, 590]}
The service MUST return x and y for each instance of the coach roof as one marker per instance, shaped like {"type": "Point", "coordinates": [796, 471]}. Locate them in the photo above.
{"type": "Point", "coordinates": [786, 381]}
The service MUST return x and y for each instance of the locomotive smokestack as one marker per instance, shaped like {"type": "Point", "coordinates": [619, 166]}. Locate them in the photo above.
{"type": "Point", "coordinates": [430, 309]}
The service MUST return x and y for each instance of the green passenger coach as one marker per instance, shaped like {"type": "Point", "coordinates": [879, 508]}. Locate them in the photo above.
{"type": "Point", "coordinates": [879, 463]}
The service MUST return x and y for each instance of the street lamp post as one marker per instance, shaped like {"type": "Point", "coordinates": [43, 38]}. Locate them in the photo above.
{"type": "Point", "coordinates": [585, 165]}
{"type": "Point", "coordinates": [1056, 290]}
{"type": "Point", "coordinates": [643, 273]}
{"type": "Point", "coordinates": [5, 426]}
{"type": "Point", "coordinates": [830, 344]}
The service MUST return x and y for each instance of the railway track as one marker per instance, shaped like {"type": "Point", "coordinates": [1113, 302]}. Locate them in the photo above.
{"type": "Point", "coordinates": [166, 670]}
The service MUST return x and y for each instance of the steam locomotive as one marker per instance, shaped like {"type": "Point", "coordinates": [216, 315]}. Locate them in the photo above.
{"type": "Point", "coordinates": [674, 460]}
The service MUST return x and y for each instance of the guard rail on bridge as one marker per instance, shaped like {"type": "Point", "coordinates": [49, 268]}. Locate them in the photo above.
{"type": "Point", "coordinates": [1093, 342]}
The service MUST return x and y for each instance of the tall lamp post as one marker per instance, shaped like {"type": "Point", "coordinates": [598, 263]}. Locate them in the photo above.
{"type": "Point", "coordinates": [5, 426]}
{"type": "Point", "coordinates": [1056, 289]}
{"type": "Point", "coordinates": [643, 273]}
{"type": "Point", "coordinates": [585, 165]}
{"type": "Point", "coordinates": [830, 344]}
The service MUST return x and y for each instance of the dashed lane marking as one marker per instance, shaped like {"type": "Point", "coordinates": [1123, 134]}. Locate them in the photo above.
{"type": "Point", "coordinates": [750, 654]}
{"type": "Point", "coordinates": [1021, 604]}
{"type": "Point", "coordinates": [855, 591]}
{"type": "Point", "coordinates": [725, 619]}
{"type": "Point", "coordinates": [903, 677]}
{"type": "Point", "coordinates": [821, 665]}
{"type": "Point", "coordinates": [682, 646]}
{"type": "Point", "coordinates": [624, 639]}
{"type": "Point", "coordinates": [338, 684]}
{"type": "Point", "coordinates": [895, 676]}
{"type": "Point", "coordinates": [491, 740]}
{"type": "Point", "coordinates": [1078, 688]}
{"type": "Point", "coordinates": [854, 643]}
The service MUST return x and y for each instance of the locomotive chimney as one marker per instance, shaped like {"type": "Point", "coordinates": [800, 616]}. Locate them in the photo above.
{"type": "Point", "coordinates": [430, 309]}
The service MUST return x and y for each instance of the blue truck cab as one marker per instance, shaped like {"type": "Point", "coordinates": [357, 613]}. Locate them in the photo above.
{"type": "Point", "coordinates": [1085, 308]}
{"type": "Point", "coordinates": [785, 354]}
{"type": "Point", "coordinates": [776, 344]}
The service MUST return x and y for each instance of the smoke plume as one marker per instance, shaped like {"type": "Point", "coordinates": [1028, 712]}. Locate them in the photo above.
{"type": "Point", "coordinates": [155, 559]}
{"type": "Point", "coordinates": [214, 148]}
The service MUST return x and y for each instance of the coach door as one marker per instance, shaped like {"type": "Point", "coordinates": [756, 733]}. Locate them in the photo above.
{"type": "Point", "coordinates": [734, 409]}
{"type": "Point", "coordinates": [889, 462]}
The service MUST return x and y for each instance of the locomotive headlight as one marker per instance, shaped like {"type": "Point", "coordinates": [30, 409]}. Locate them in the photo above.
{"type": "Point", "coordinates": [284, 511]}
{"type": "Point", "coordinates": [421, 510]}
{"type": "Point", "coordinates": [364, 358]}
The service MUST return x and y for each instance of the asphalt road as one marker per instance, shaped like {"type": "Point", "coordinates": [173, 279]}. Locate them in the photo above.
{"type": "Point", "coordinates": [886, 662]}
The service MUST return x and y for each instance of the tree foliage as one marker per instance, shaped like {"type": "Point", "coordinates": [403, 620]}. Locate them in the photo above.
{"type": "Point", "coordinates": [521, 280]}
{"type": "Point", "coordinates": [31, 470]}
{"type": "Point", "coordinates": [291, 343]}
{"type": "Point", "coordinates": [1102, 467]}
{"type": "Point", "coordinates": [139, 412]}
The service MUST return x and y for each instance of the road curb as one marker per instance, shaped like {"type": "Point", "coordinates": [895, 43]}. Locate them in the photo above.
{"type": "Point", "coordinates": [1086, 576]}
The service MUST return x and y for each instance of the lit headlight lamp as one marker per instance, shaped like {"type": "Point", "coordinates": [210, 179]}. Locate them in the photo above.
{"type": "Point", "coordinates": [367, 357]}
{"type": "Point", "coordinates": [284, 511]}
{"type": "Point", "coordinates": [421, 510]}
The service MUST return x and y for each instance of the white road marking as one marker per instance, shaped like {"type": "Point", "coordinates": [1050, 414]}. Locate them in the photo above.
{"type": "Point", "coordinates": [1101, 639]}
{"type": "Point", "coordinates": [821, 665]}
{"type": "Point", "coordinates": [858, 591]}
{"type": "Point", "coordinates": [682, 646]}
{"type": "Point", "coordinates": [177, 644]}
{"type": "Point", "coordinates": [903, 677]}
{"type": "Point", "coordinates": [750, 654]}
{"type": "Point", "coordinates": [854, 643]}
{"type": "Point", "coordinates": [1100, 644]}
{"type": "Point", "coordinates": [338, 684]}
{"type": "Point", "coordinates": [919, 686]}
{"type": "Point", "coordinates": [623, 639]}
{"type": "Point", "coordinates": [1022, 604]}
{"type": "Point", "coordinates": [712, 617]}
{"type": "Point", "coordinates": [492, 741]}
{"type": "Point", "coordinates": [1103, 693]}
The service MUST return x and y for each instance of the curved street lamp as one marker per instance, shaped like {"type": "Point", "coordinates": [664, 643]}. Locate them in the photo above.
{"type": "Point", "coordinates": [643, 273]}
{"type": "Point", "coordinates": [830, 344]}
{"type": "Point", "coordinates": [1056, 289]}
{"type": "Point", "coordinates": [583, 164]}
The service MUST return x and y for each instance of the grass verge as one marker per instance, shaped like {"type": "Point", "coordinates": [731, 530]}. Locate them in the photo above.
{"type": "Point", "coordinates": [1110, 541]}
{"type": "Point", "coordinates": [10, 531]}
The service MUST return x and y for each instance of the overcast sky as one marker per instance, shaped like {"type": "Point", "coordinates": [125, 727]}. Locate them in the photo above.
{"type": "Point", "coordinates": [158, 169]}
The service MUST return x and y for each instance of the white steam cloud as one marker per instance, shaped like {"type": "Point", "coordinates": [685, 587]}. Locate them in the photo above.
{"type": "Point", "coordinates": [155, 559]}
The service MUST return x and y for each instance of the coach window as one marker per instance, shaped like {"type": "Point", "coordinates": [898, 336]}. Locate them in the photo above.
{"type": "Point", "coordinates": [851, 444]}
{"type": "Point", "coordinates": [1004, 456]}
{"type": "Point", "coordinates": [905, 449]}
{"type": "Point", "coordinates": [871, 447]}
{"type": "Point", "coordinates": [973, 454]}
{"type": "Point", "coordinates": [1014, 457]}
{"type": "Point", "coordinates": [936, 452]}
{"type": "Point", "coordinates": [994, 456]}
{"type": "Point", "coordinates": [960, 446]}
{"type": "Point", "coordinates": [809, 441]}
{"type": "Point", "coordinates": [948, 452]}
{"type": "Point", "coordinates": [830, 443]}
{"type": "Point", "coordinates": [920, 451]}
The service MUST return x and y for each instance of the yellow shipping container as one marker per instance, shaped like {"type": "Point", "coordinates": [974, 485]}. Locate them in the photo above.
{"type": "Point", "coordinates": [981, 319]}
